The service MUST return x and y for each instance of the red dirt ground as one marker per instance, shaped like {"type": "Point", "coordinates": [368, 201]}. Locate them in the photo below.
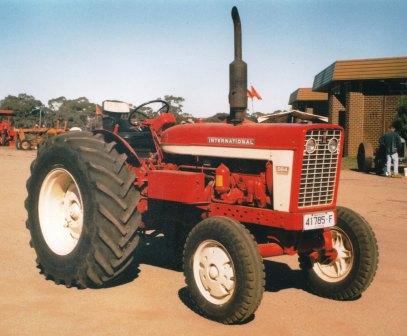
{"type": "Point", "coordinates": [154, 302]}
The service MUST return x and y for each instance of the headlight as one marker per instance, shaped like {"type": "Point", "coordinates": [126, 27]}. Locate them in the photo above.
{"type": "Point", "coordinates": [310, 146]}
{"type": "Point", "coordinates": [333, 145]}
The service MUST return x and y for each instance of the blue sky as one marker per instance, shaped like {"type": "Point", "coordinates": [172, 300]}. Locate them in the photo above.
{"type": "Point", "coordinates": [140, 50]}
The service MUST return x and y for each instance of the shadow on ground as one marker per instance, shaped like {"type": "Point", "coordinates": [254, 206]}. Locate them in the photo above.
{"type": "Point", "coordinates": [155, 251]}
{"type": "Point", "coordinates": [280, 276]}
{"type": "Point", "coordinates": [151, 251]}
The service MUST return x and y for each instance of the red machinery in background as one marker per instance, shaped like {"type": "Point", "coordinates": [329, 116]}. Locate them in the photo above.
{"type": "Point", "coordinates": [7, 131]}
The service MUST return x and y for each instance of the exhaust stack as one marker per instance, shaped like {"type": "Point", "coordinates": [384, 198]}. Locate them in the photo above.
{"type": "Point", "coordinates": [237, 75]}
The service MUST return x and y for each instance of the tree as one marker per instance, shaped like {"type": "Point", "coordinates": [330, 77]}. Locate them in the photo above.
{"type": "Point", "coordinates": [222, 116]}
{"type": "Point", "coordinates": [176, 108]}
{"type": "Point", "coordinates": [401, 119]}
{"type": "Point", "coordinates": [55, 103]}
{"type": "Point", "coordinates": [75, 111]}
{"type": "Point", "coordinates": [24, 106]}
{"type": "Point", "coordinates": [218, 117]}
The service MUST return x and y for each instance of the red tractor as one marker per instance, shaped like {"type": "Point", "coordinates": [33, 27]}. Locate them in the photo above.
{"type": "Point", "coordinates": [7, 132]}
{"type": "Point", "coordinates": [229, 194]}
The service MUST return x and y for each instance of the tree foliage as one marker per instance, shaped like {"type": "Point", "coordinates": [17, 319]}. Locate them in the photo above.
{"type": "Point", "coordinates": [176, 107]}
{"type": "Point", "coordinates": [80, 111]}
{"type": "Point", "coordinates": [222, 116]}
{"type": "Point", "coordinates": [24, 106]}
{"type": "Point", "coordinates": [75, 111]}
{"type": "Point", "coordinates": [401, 119]}
{"type": "Point", "coordinates": [218, 117]}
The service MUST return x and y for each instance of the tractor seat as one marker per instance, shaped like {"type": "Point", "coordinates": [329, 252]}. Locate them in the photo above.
{"type": "Point", "coordinates": [140, 139]}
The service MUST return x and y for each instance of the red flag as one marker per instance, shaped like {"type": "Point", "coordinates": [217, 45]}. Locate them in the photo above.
{"type": "Point", "coordinates": [249, 94]}
{"type": "Point", "coordinates": [254, 93]}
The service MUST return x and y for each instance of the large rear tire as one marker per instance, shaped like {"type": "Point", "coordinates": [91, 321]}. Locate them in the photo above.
{"type": "Point", "coordinates": [347, 277]}
{"type": "Point", "coordinates": [223, 270]}
{"type": "Point", "coordinates": [82, 210]}
{"type": "Point", "coordinates": [365, 157]}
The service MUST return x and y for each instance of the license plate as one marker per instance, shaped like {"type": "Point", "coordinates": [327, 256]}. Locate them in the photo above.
{"type": "Point", "coordinates": [318, 220]}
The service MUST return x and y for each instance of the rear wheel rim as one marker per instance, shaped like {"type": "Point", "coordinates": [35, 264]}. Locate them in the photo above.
{"type": "Point", "coordinates": [214, 272]}
{"type": "Point", "coordinates": [338, 269]}
{"type": "Point", "coordinates": [25, 145]}
{"type": "Point", "coordinates": [60, 211]}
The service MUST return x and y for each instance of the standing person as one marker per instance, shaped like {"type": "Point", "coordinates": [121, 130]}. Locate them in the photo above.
{"type": "Point", "coordinates": [391, 142]}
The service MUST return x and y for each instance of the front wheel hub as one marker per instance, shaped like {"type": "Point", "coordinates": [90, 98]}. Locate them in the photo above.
{"type": "Point", "coordinates": [336, 267]}
{"type": "Point", "coordinates": [214, 272]}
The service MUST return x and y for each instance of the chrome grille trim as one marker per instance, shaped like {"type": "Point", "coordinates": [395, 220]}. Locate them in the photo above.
{"type": "Point", "coordinates": [319, 169]}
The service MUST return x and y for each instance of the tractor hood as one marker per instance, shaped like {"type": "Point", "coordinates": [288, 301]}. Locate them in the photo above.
{"type": "Point", "coordinates": [245, 135]}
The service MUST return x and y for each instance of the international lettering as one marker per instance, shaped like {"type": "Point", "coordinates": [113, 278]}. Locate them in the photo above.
{"type": "Point", "coordinates": [231, 141]}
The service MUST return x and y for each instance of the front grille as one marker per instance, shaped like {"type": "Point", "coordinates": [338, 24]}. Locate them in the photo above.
{"type": "Point", "coordinates": [319, 169]}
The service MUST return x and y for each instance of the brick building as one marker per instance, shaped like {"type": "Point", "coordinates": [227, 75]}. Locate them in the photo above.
{"type": "Point", "coordinates": [363, 96]}
{"type": "Point", "coordinates": [306, 100]}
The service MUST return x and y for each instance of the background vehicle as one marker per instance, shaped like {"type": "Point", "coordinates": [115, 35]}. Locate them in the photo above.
{"type": "Point", "coordinates": [32, 138]}
{"type": "Point", "coordinates": [293, 116]}
{"type": "Point", "coordinates": [7, 131]}
{"type": "Point", "coordinates": [228, 194]}
{"type": "Point", "coordinates": [374, 158]}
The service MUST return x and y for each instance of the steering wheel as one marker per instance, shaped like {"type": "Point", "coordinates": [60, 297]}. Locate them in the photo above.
{"type": "Point", "coordinates": [134, 120]}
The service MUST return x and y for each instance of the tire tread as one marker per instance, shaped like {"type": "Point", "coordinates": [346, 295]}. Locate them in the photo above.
{"type": "Point", "coordinates": [369, 258]}
{"type": "Point", "coordinates": [250, 257]}
{"type": "Point", "coordinates": [116, 216]}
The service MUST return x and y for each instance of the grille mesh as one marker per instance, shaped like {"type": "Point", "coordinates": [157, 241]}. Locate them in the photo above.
{"type": "Point", "coordinates": [319, 169]}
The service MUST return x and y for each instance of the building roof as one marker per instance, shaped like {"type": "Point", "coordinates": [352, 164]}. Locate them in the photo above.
{"type": "Point", "coordinates": [361, 69]}
{"type": "Point", "coordinates": [306, 94]}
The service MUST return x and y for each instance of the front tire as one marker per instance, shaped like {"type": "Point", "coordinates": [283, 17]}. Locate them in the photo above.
{"type": "Point", "coordinates": [347, 277]}
{"type": "Point", "coordinates": [223, 270]}
{"type": "Point", "coordinates": [82, 210]}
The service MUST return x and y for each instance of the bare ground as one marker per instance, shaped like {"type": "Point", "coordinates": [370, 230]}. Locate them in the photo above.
{"type": "Point", "coordinates": [154, 302]}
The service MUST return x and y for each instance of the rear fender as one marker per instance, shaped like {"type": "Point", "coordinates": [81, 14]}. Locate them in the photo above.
{"type": "Point", "coordinates": [122, 145]}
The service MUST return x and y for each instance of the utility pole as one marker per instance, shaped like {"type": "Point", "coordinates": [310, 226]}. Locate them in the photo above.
{"type": "Point", "coordinates": [40, 116]}
{"type": "Point", "coordinates": [40, 111]}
